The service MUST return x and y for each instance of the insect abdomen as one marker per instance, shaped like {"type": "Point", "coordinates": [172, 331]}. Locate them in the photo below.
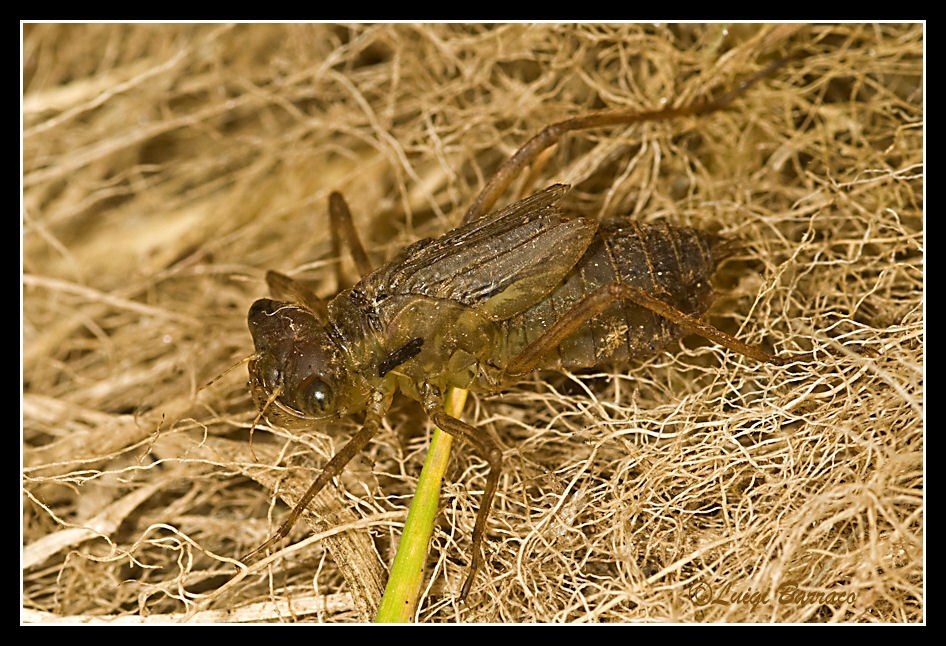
{"type": "Point", "coordinates": [672, 263]}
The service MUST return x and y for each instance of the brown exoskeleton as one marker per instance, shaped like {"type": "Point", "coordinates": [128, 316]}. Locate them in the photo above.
{"type": "Point", "coordinates": [525, 287]}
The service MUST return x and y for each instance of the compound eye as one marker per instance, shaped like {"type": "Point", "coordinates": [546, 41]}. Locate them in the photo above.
{"type": "Point", "coordinates": [315, 398]}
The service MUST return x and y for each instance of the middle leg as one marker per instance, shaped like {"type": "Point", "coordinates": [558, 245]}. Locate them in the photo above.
{"type": "Point", "coordinates": [488, 449]}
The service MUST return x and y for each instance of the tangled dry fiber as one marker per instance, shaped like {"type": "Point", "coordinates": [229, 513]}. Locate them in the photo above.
{"type": "Point", "coordinates": [166, 167]}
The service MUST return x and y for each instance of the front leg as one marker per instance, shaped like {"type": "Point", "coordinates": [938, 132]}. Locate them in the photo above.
{"type": "Point", "coordinates": [377, 406]}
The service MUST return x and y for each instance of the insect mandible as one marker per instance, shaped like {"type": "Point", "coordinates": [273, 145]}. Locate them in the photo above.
{"type": "Point", "coordinates": [526, 287]}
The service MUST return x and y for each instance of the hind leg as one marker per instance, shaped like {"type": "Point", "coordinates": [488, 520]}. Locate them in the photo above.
{"type": "Point", "coordinates": [604, 297]}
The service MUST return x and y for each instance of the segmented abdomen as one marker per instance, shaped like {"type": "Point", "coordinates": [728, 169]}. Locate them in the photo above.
{"type": "Point", "coordinates": [672, 263]}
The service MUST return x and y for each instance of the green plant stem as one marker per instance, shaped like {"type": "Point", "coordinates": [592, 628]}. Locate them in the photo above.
{"type": "Point", "coordinates": [402, 594]}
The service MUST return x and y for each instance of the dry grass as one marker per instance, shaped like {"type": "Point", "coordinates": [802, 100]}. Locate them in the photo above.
{"type": "Point", "coordinates": [166, 167]}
